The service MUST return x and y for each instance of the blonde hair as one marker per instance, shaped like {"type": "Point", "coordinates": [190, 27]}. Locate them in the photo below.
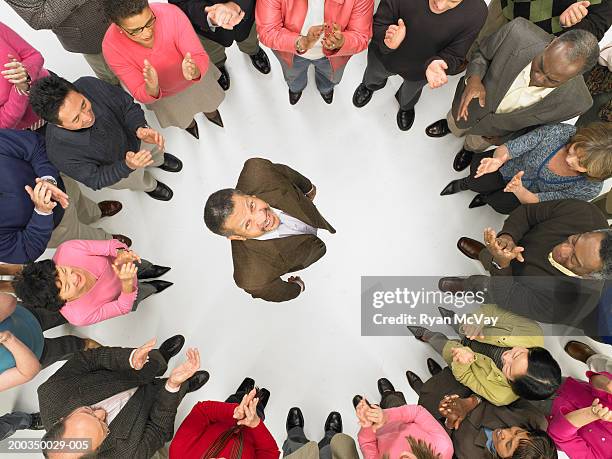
{"type": "Point", "coordinates": [595, 142]}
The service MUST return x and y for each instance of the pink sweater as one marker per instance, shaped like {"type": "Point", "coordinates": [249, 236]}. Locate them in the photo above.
{"type": "Point", "coordinates": [15, 109]}
{"type": "Point", "coordinates": [592, 441]}
{"type": "Point", "coordinates": [105, 300]}
{"type": "Point", "coordinates": [173, 38]}
{"type": "Point", "coordinates": [404, 421]}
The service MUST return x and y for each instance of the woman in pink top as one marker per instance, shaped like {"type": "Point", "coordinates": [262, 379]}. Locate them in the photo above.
{"type": "Point", "coordinates": [581, 417]}
{"type": "Point", "coordinates": [395, 430]}
{"type": "Point", "coordinates": [89, 281]}
{"type": "Point", "coordinates": [158, 57]}
{"type": "Point", "coordinates": [21, 66]}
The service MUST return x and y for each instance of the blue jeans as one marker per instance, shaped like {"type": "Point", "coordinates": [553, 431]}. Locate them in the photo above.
{"type": "Point", "coordinates": [296, 75]}
{"type": "Point", "coordinates": [11, 422]}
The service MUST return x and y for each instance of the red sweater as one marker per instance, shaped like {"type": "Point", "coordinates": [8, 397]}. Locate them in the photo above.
{"type": "Point", "coordinates": [206, 422]}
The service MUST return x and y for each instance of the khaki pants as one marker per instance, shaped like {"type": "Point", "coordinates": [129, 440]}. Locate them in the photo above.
{"type": "Point", "coordinates": [216, 52]}
{"type": "Point", "coordinates": [342, 447]}
{"type": "Point", "coordinates": [604, 203]}
{"type": "Point", "coordinates": [101, 68]}
{"type": "Point", "coordinates": [475, 143]}
{"type": "Point", "coordinates": [81, 212]}
{"type": "Point", "coordinates": [495, 21]}
{"type": "Point", "coordinates": [141, 179]}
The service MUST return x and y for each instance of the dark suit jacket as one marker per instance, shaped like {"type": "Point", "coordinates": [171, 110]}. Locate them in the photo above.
{"type": "Point", "coordinates": [194, 9]}
{"type": "Point", "coordinates": [80, 25]}
{"type": "Point", "coordinates": [498, 60]}
{"type": "Point", "coordinates": [258, 265]}
{"type": "Point", "coordinates": [469, 441]}
{"type": "Point", "coordinates": [142, 426]}
{"type": "Point", "coordinates": [535, 288]}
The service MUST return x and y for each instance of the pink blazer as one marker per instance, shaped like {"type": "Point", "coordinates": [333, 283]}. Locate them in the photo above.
{"type": "Point", "coordinates": [279, 23]}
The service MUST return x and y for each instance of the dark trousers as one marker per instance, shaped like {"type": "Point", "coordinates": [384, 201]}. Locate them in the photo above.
{"type": "Point", "coordinates": [11, 422]}
{"type": "Point", "coordinates": [375, 78]}
{"type": "Point", "coordinates": [392, 400]}
{"type": "Point", "coordinates": [491, 186]}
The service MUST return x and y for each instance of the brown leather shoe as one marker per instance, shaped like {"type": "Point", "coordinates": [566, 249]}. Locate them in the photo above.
{"type": "Point", "coordinates": [470, 247]}
{"type": "Point", "coordinates": [121, 238]}
{"type": "Point", "coordinates": [451, 284]}
{"type": "Point", "coordinates": [579, 351]}
{"type": "Point", "coordinates": [110, 208]}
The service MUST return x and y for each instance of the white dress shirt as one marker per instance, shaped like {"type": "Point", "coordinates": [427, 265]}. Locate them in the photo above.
{"type": "Point", "coordinates": [289, 226]}
{"type": "Point", "coordinates": [521, 95]}
{"type": "Point", "coordinates": [113, 404]}
{"type": "Point", "coordinates": [314, 16]}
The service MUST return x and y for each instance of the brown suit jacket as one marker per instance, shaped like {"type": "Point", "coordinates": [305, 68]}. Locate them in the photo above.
{"type": "Point", "coordinates": [469, 441]}
{"type": "Point", "coordinates": [498, 60]}
{"type": "Point", "coordinates": [258, 265]}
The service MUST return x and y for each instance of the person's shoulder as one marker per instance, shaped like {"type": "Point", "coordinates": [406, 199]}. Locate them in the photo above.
{"type": "Point", "coordinates": [476, 8]}
{"type": "Point", "coordinates": [525, 31]}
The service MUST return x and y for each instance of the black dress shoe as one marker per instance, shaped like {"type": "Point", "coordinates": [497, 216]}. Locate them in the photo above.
{"type": "Point", "coordinates": [415, 382]}
{"type": "Point", "coordinates": [264, 396]}
{"type": "Point", "coordinates": [193, 130]}
{"type": "Point", "coordinates": [121, 238]}
{"type": "Point", "coordinates": [329, 97]}
{"type": "Point", "coordinates": [214, 118]}
{"type": "Point", "coordinates": [333, 423]}
{"type": "Point", "coordinates": [446, 313]}
{"type": "Point", "coordinates": [418, 332]}
{"type": "Point", "coordinates": [384, 385]}
{"type": "Point", "coordinates": [197, 380]}
{"type": "Point", "coordinates": [438, 129]}
{"type": "Point", "coordinates": [36, 422]}
{"type": "Point", "coordinates": [469, 247]}
{"type": "Point", "coordinates": [224, 79]}
{"type": "Point", "coordinates": [295, 418]}
{"type": "Point", "coordinates": [455, 186]}
{"type": "Point", "coordinates": [462, 160]}
{"type": "Point", "coordinates": [261, 62]}
{"type": "Point", "coordinates": [294, 97]}
{"type": "Point", "coordinates": [162, 192]}
{"type": "Point", "coordinates": [433, 367]}
{"type": "Point", "coordinates": [405, 119]}
{"type": "Point", "coordinates": [171, 163]}
{"type": "Point", "coordinates": [153, 272]}
{"type": "Point", "coordinates": [159, 285]}
{"type": "Point", "coordinates": [362, 96]}
{"type": "Point", "coordinates": [451, 284]}
{"type": "Point", "coordinates": [478, 201]}
{"type": "Point", "coordinates": [171, 347]}
{"type": "Point", "coordinates": [246, 386]}
{"type": "Point", "coordinates": [356, 400]}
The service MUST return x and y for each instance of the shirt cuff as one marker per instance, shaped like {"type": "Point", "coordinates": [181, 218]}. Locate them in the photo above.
{"type": "Point", "coordinates": [44, 214]}
{"type": "Point", "coordinates": [172, 391]}
{"type": "Point", "coordinates": [130, 359]}
{"type": "Point", "coordinates": [210, 24]}
{"type": "Point", "coordinates": [300, 283]}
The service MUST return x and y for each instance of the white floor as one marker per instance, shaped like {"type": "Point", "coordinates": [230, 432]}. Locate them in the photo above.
{"type": "Point", "coordinates": [377, 185]}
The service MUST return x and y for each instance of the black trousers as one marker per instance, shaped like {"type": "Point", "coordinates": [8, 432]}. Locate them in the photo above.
{"type": "Point", "coordinates": [491, 186]}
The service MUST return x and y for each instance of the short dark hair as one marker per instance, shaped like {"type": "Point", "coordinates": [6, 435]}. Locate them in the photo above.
{"type": "Point", "coordinates": [539, 445]}
{"type": "Point", "coordinates": [421, 449]}
{"type": "Point", "coordinates": [605, 253]}
{"type": "Point", "coordinates": [582, 46]}
{"type": "Point", "coordinates": [56, 434]}
{"type": "Point", "coordinates": [543, 376]}
{"type": "Point", "coordinates": [47, 96]}
{"type": "Point", "coordinates": [116, 10]}
{"type": "Point", "coordinates": [219, 206]}
{"type": "Point", "coordinates": [36, 286]}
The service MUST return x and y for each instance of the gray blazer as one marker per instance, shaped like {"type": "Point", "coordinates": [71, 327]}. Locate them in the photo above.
{"type": "Point", "coordinates": [80, 25]}
{"type": "Point", "coordinates": [498, 60]}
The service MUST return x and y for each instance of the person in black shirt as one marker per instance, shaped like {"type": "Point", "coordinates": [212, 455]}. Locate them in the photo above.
{"type": "Point", "coordinates": [98, 135]}
{"type": "Point", "coordinates": [422, 41]}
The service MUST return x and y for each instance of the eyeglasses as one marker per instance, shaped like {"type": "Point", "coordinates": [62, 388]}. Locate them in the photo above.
{"type": "Point", "coordinates": [139, 30]}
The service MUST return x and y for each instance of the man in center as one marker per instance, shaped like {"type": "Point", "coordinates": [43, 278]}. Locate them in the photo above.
{"type": "Point", "coordinates": [273, 225]}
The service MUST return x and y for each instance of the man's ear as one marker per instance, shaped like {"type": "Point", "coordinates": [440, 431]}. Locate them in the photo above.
{"type": "Point", "coordinates": [235, 237]}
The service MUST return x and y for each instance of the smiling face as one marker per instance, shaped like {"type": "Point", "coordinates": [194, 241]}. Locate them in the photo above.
{"type": "Point", "coordinates": [76, 112]}
{"type": "Point", "coordinates": [442, 6]}
{"type": "Point", "coordinates": [71, 282]}
{"type": "Point", "coordinates": [515, 362]}
{"type": "Point", "coordinates": [140, 28]}
{"type": "Point", "coordinates": [251, 218]}
{"type": "Point", "coordinates": [507, 440]}
{"type": "Point", "coordinates": [574, 154]}
{"type": "Point", "coordinates": [551, 68]}
{"type": "Point", "coordinates": [580, 253]}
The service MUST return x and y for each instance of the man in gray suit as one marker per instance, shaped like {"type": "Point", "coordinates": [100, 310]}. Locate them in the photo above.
{"type": "Point", "coordinates": [522, 77]}
{"type": "Point", "coordinates": [80, 26]}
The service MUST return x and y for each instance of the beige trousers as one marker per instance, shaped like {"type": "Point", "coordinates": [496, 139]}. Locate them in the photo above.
{"type": "Point", "coordinates": [81, 212]}
{"type": "Point", "coordinates": [495, 21]}
{"type": "Point", "coordinates": [141, 179]}
{"type": "Point", "coordinates": [342, 447]}
{"type": "Point", "coordinates": [475, 143]}
{"type": "Point", "coordinates": [216, 51]}
{"type": "Point", "coordinates": [604, 202]}
{"type": "Point", "coordinates": [101, 69]}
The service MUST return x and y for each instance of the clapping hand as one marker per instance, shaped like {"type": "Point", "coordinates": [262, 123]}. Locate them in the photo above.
{"type": "Point", "coordinates": [489, 165]}
{"type": "Point", "coordinates": [436, 74]}
{"type": "Point", "coordinates": [575, 13]}
{"type": "Point", "coordinates": [516, 184]}
{"type": "Point", "coordinates": [16, 73]}
{"type": "Point", "coordinates": [395, 34]}
{"type": "Point", "coordinates": [126, 272]}
{"type": "Point", "coordinates": [601, 412]}
{"type": "Point", "coordinates": [455, 409]}
{"type": "Point", "coordinates": [313, 35]}
{"type": "Point", "coordinates": [376, 416]}
{"type": "Point", "coordinates": [141, 355]}
{"type": "Point", "coordinates": [150, 78]}
{"type": "Point", "coordinates": [334, 38]}
{"type": "Point", "coordinates": [246, 412]}
{"type": "Point", "coordinates": [138, 160]}
{"type": "Point", "coordinates": [41, 197]}
{"type": "Point", "coordinates": [463, 355]}
{"type": "Point", "coordinates": [503, 249]}
{"type": "Point", "coordinates": [151, 136]}
{"type": "Point", "coordinates": [225, 15]}
{"type": "Point", "coordinates": [185, 370]}
{"type": "Point", "coordinates": [190, 69]}
{"type": "Point", "coordinates": [473, 331]}
{"type": "Point", "coordinates": [361, 411]}
{"type": "Point", "coordinates": [126, 256]}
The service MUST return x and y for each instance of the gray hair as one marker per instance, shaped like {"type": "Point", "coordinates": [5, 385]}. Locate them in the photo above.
{"type": "Point", "coordinates": [581, 46]}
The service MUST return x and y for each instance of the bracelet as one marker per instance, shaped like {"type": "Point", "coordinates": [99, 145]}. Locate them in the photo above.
{"type": "Point", "coordinates": [297, 46]}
